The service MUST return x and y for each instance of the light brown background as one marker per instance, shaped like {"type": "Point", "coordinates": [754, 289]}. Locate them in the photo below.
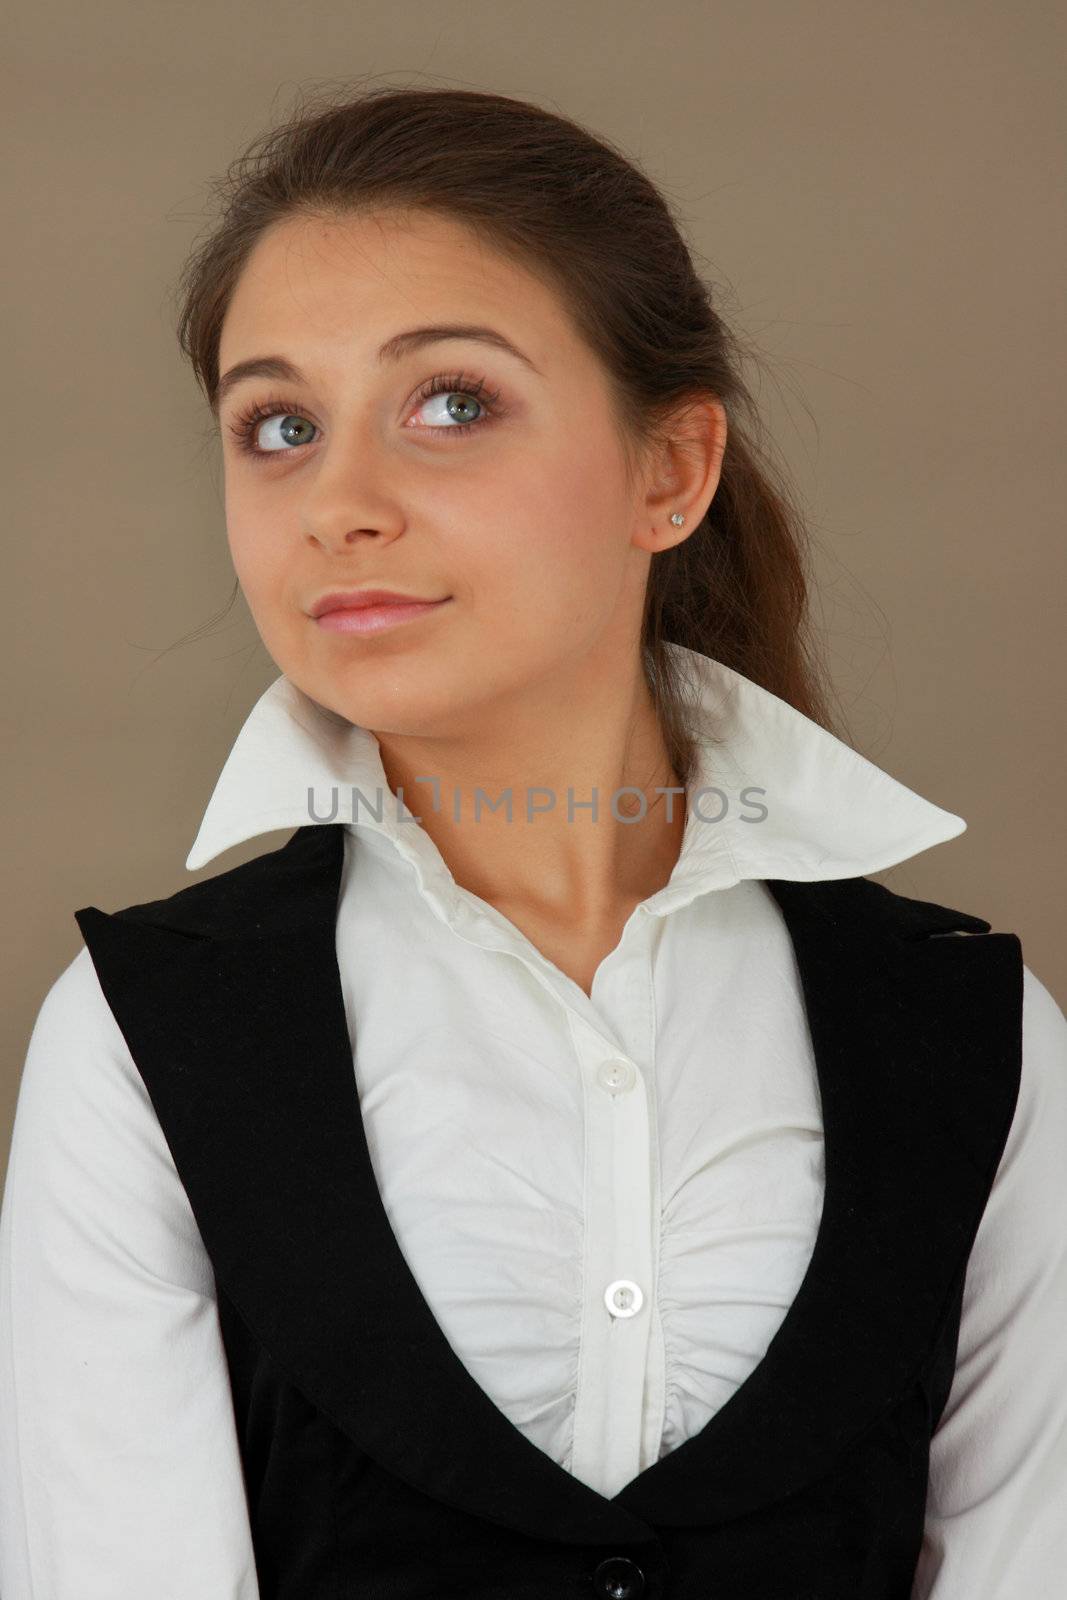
{"type": "Point", "coordinates": [877, 191]}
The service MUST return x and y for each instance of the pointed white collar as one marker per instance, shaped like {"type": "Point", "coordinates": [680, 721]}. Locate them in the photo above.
{"type": "Point", "coordinates": [830, 813]}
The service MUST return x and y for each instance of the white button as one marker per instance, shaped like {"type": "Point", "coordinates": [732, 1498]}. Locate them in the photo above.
{"type": "Point", "coordinates": [623, 1298]}
{"type": "Point", "coordinates": [616, 1075]}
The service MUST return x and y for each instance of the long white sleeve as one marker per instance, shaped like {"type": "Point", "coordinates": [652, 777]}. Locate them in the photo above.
{"type": "Point", "coordinates": [120, 1474]}
{"type": "Point", "coordinates": [996, 1524]}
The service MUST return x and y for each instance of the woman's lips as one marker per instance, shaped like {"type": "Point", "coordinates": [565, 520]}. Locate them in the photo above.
{"type": "Point", "coordinates": [375, 619]}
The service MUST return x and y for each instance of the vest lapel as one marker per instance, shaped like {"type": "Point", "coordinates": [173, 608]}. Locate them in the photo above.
{"type": "Point", "coordinates": [229, 998]}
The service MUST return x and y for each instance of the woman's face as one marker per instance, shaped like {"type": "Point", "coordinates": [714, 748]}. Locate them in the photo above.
{"type": "Point", "coordinates": [522, 519]}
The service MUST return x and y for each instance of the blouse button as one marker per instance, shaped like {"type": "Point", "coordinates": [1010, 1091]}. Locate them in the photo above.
{"type": "Point", "coordinates": [616, 1075]}
{"type": "Point", "coordinates": [618, 1578]}
{"type": "Point", "coordinates": [624, 1298]}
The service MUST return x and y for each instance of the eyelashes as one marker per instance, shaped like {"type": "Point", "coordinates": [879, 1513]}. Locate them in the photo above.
{"type": "Point", "coordinates": [244, 426]}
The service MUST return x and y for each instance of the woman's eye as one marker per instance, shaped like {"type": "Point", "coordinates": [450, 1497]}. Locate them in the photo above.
{"type": "Point", "coordinates": [281, 432]}
{"type": "Point", "coordinates": [458, 403]}
{"type": "Point", "coordinates": [452, 409]}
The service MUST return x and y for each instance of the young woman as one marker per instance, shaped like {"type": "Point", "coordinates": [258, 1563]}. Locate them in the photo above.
{"type": "Point", "coordinates": [559, 1170]}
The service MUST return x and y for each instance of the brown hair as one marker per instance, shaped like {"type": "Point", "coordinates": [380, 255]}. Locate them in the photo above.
{"type": "Point", "coordinates": [571, 208]}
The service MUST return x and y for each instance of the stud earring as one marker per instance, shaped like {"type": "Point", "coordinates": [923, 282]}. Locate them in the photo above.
{"type": "Point", "coordinates": [677, 517]}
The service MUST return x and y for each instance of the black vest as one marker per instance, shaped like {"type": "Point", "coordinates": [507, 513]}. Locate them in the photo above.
{"type": "Point", "coordinates": [376, 1468]}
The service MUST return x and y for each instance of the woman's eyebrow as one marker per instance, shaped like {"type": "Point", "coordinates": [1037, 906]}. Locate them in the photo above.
{"type": "Point", "coordinates": [394, 349]}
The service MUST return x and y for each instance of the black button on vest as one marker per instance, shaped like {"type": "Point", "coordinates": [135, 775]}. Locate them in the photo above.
{"type": "Point", "coordinates": [618, 1578]}
{"type": "Point", "coordinates": [373, 1462]}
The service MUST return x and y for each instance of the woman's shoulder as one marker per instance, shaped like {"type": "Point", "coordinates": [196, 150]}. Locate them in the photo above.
{"type": "Point", "coordinates": [79, 1078]}
{"type": "Point", "coordinates": [1042, 1010]}
{"type": "Point", "coordinates": [1030, 1188]}
{"type": "Point", "coordinates": [74, 1009]}
{"type": "Point", "coordinates": [89, 1165]}
{"type": "Point", "coordinates": [292, 881]}
{"type": "Point", "coordinates": [1043, 1091]}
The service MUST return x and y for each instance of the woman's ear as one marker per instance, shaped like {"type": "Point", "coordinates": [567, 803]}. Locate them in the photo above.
{"type": "Point", "coordinates": [684, 475]}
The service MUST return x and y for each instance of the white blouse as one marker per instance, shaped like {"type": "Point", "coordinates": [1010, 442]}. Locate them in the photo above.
{"type": "Point", "coordinates": [609, 1201]}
